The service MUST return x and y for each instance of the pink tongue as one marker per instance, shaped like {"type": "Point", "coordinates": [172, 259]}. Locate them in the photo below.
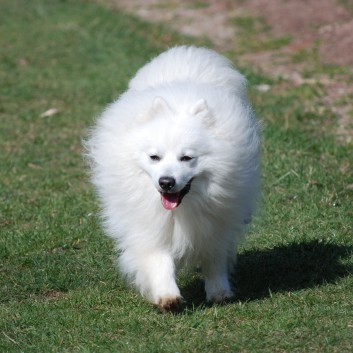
{"type": "Point", "coordinates": [170, 201]}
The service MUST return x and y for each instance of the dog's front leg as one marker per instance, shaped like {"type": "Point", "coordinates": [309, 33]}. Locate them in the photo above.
{"type": "Point", "coordinates": [156, 280]}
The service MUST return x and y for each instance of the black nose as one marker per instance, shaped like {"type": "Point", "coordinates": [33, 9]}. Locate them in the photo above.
{"type": "Point", "coordinates": [166, 183]}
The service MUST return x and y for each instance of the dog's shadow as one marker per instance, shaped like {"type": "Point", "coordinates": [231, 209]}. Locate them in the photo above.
{"type": "Point", "coordinates": [284, 268]}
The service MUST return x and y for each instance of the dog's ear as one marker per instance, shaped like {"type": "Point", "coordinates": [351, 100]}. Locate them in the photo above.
{"type": "Point", "coordinates": [158, 106]}
{"type": "Point", "coordinates": [201, 109]}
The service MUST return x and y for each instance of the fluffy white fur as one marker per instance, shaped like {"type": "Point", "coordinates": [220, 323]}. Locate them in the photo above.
{"type": "Point", "coordinates": [185, 116]}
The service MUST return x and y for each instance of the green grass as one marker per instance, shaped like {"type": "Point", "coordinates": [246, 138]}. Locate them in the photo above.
{"type": "Point", "coordinates": [59, 290]}
{"type": "Point", "coordinates": [249, 36]}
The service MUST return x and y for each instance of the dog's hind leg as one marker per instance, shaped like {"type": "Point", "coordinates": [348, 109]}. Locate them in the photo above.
{"type": "Point", "coordinates": [215, 272]}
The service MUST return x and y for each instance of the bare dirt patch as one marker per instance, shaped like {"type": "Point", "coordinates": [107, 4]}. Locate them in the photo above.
{"type": "Point", "coordinates": [323, 29]}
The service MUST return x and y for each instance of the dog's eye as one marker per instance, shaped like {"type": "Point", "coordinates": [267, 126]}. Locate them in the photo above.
{"type": "Point", "coordinates": [155, 158]}
{"type": "Point", "coordinates": [185, 158]}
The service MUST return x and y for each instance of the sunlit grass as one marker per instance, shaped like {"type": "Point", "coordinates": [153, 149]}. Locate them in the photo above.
{"type": "Point", "coordinates": [59, 289]}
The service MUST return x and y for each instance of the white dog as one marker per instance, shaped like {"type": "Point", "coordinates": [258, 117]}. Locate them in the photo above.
{"type": "Point", "coordinates": [175, 161]}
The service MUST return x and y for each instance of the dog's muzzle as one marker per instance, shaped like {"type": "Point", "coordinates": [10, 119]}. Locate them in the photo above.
{"type": "Point", "coordinates": [171, 200]}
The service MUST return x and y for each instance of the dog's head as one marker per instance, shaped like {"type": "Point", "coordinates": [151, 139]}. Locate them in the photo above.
{"type": "Point", "coordinates": [173, 147]}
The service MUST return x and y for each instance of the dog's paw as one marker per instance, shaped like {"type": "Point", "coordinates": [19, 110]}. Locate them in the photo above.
{"type": "Point", "coordinates": [218, 289]}
{"type": "Point", "coordinates": [220, 296]}
{"type": "Point", "coordinates": [169, 304]}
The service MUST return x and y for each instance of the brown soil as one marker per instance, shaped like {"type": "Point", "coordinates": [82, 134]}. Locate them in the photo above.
{"type": "Point", "coordinates": [325, 25]}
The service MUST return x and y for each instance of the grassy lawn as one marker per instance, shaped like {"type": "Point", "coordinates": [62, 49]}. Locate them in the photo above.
{"type": "Point", "coordinates": [59, 290]}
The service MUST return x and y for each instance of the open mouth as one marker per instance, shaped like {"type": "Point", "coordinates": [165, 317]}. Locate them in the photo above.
{"type": "Point", "coordinates": [171, 200]}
